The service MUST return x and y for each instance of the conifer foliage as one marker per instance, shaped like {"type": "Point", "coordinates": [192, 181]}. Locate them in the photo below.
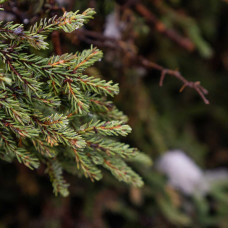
{"type": "Point", "coordinates": [53, 114]}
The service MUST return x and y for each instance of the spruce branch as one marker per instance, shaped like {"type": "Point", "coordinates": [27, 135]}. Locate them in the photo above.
{"type": "Point", "coordinates": [86, 59]}
{"type": "Point", "coordinates": [97, 86]}
{"type": "Point", "coordinates": [104, 128]}
{"type": "Point", "coordinates": [7, 143]}
{"type": "Point", "coordinates": [55, 172]}
{"type": "Point", "coordinates": [44, 148]}
{"type": "Point", "coordinates": [123, 172]}
{"type": "Point", "coordinates": [53, 113]}
{"type": "Point", "coordinates": [69, 22]}
{"type": "Point", "coordinates": [84, 162]}
{"type": "Point", "coordinates": [36, 35]}
{"type": "Point", "coordinates": [110, 147]}
{"type": "Point", "coordinates": [28, 159]}
{"type": "Point", "coordinates": [107, 110]}
{"type": "Point", "coordinates": [77, 100]}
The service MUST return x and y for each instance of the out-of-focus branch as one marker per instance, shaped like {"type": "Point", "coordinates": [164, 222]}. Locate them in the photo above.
{"type": "Point", "coordinates": [102, 41]}
{"type": "Point", "coordinates": [56, 42]}
{"type": "Point", "coordinates": [161, 28]}
{"type": "Point", "coordinates": [158, 25]}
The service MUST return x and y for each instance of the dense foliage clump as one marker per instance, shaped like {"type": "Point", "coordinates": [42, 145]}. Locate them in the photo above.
{"type": "Point", "coordinates": [53, 113]}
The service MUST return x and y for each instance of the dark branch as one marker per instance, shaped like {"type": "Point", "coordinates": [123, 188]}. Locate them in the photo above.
{"type": "Point", "coordinates": [105, 42]}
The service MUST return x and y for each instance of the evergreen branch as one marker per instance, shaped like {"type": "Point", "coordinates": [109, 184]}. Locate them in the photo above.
{"type": "Point", "coordinates": [48, 99]}
{"type": "Point", "coordinates": [78, 102]}
{"type": "Point", "coordinates": [104, 128]}
{"type": "Point", "coordinates": [69, 22]}
{"type": "Point", "coordinates": [23, 77]}
{"type": "Point", "coordinates": [27, 158]}
{"type": "Point", "coordinates": [19, 130]}
{"type": "Point", "coordinates": [54, 169]}
{"type": "Point", "coordinates": [12, 107]}
{"type": "Point", "coordinates": [55, 130]}
{"type": "Point", "coordinates": [9, 144]}
{"type": "Point", "coordinates": [16, 32]}
{"type": "Point", "coordinates": [101, 105]}
{"type": "Point", "coordinates": [142, 158]}
{"type": "Point", "coordinates": [111, 147]}
{"type": "Point", "coordinates": [107, 110]}
{"type": "Point", "coordinates": [44, 148]}
{"type": "Point", "coordinates": [89, 170]}
{"type": "Point", "coordinates": [33, 94]}
{"type": "Point", "coordinates": [86, 59]}
{"type": "Point", "coordinates": [114, 114]}
{"type": "Point", "coordinates": [123, 172]}
{"type": "Point", "coordinates": [78, 62]}
{"type": "Point", "coordinates": [97, 86]}
{"type": "Point", "coordinates": [64, 60]}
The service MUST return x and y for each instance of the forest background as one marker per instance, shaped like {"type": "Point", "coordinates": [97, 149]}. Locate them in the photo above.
{"type": "Point", "coordinates": [153, 49]}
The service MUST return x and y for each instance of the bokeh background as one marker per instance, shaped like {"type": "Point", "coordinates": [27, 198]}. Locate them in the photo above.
{"type": "Point", "coordinates": [187, 186]}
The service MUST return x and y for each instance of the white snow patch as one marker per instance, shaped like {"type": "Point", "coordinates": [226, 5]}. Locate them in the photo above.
{"type": "Point", "coordinates": [182, 172]}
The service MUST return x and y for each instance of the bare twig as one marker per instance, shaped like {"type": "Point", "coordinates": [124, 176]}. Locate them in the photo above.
{"type": "Point", "coordinates": [158, 25]}
{"type": "Point", "coordinates": [194, 85]}
{"type": "Point", "coordinates": [102, 41]}
{"type": "Point", "coordinates": [161, 28]}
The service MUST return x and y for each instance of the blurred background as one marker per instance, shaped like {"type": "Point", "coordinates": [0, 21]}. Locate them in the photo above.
{"type": "Point", "coordinates": [145, 43]}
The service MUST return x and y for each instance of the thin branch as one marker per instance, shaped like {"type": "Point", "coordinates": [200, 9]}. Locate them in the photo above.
{"type": "Point", "coordinates": [102, 41]}
{"type": "Point", "coordinates": [158, 25]}
{"type": "Point", "coordinates": [161, 28]}
{"type": "Point", "coordinates": [194, 85]}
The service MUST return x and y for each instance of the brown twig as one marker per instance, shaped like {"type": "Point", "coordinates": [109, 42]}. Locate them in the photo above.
{"type": "Point", "coordinates": [194, 85]}
{"type": "Point", "coordinates": [161, 28]}
{"type": "Point", "coordinates": [56, 42]}
{"type": "Point", "coordinates": [102, 41]}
